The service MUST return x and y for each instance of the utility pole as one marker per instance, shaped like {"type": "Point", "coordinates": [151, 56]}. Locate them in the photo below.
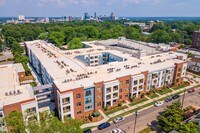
{"type": "Point", "coordinates": [136, 113]}
{"type": "Point", "coordinates": [183, 99]}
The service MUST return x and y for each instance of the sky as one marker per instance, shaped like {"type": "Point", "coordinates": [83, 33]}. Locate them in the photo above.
{"type": "Point", "coordinates": [76, 8]}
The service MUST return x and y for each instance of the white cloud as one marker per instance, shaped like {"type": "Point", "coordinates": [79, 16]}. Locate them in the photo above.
{"type": "Point", "coordinates": [63, 3]}
{"type": "Point", "coordinates": [110, 2]}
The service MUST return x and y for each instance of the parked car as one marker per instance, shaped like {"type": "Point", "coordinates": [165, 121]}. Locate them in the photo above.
{"type": "Point", "coordinates": [158, 103]}
{"type": "Point", "coordinates": [87, 131]}
{"type": "Point", "coordinates": [103, 125]}
{"type": "Point", "coordinates": [117, 130]}
{"type": "Point", "coordinates": [176, 96]}
{"type": "Point", "coordinates": [118, 119]}
{"type": "Point", "coordinates": [191, 90]}
{"type": "Point", "coordinates": [168, 99]}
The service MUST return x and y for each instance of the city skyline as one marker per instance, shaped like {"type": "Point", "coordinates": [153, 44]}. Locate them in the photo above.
{"type": "Point", "coordinates": [126, 8]}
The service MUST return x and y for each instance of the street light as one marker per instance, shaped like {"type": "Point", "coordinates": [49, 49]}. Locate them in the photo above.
{"type": "Point", "coordinates": [136, 113]}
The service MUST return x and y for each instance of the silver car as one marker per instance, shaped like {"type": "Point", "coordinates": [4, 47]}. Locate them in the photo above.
{"type": "Point", "coordinates": [118, 119]}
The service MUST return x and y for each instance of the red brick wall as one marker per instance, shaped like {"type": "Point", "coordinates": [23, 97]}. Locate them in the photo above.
{"type": "Point", "coordinates": [124, 86]}
{"type": "Point", "coordinates": [76, 108]}
{"type": "Point", "coordinates": [96, 93]}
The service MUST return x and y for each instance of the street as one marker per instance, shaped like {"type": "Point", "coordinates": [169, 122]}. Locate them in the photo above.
{"type": "Point", "coordinates": [148, 116]}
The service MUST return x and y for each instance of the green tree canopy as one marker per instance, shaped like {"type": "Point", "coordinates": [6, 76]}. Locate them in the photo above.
{"type": "Point", "coordinates": [57, 38]}
{"type": "Point", "coordinates": [43, 36]}
{"type": "Point", "coordinates": [171, 118]}
{"type": "Point", "coordinates": [75, 43]}
{"type": "Point", "coordinates": [160, 36]}
{"type": "Point", "coordinates": [189, 128]}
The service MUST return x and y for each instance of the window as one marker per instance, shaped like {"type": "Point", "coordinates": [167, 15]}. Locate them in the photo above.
{"type": "Point", "coordinates": [88, 107]}
{"type": "Point", "coordinates": [66, 100]}
{"type": "Point", "coordinates": [98, 89]}
{"type": "Point", "coordinates": [115, 88]}
{"type": "Point", "coordinates": [120, 83]}
{"type": "Point", "coordinates": [78, 104]}
{"type": "Point", "coordinates": [108, 90]}
{"type": "Point", "coordinates": [78, 96]}
{"type": "Point", "coordinates": [31, 110]}
{"type": "Point", "coordinates": [135, 82]}
{"type": "Point", "coordinates": [1, 114]}
{"type": "Point", "coordinates": [68, 116]}
{"type": "Point", "coordinates": [127, 89]}
{"type": "Point", "coordinates": [134, 88]}
{"type": "Point", "coordinates": [126, 95]}
{"type": "Point", "coordinates": [127, 81]}
{"type": "Point", "coordinates": [78, 112]}
{"type": "Point", "coordinates": [114, 101]}
{"type": "Point", "coordinates": [88, 93]}
{"type": "Point", "coordinates": [141, 81]}
{"type": "Point", "coordinates": [98, 104]}
{"type": "Point", "coordinates": [120, 97]}
{"type": "Point", "coordinates": [120, 90]}
{"type": "Point", "coordinates": [66, 109]}
{"type": "Point", "coordinates": [98, 97]}
{"type": "Point", "coordinates": [88, 100]}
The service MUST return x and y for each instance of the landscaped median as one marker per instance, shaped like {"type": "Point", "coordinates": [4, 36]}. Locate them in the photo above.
{"type": "Point", "coordinates": [111, 111]}
{"type": "Point", "coordinates": [138, 101]}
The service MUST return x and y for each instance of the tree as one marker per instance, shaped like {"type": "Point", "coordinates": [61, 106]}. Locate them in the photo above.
{"type": "Point", "coordinates": [15, 121]}
{"type": "Point", "coordinates": [1, 45]}
{"type": "Point", "coordinates": [43, 36]}
{"type": "Point", "coordinates": [75, 43]}
{"type": "Point", "coordinates": [171, 118]}
{"type": "Point", "coordinates": [132, 33]}
{"type": "Point", "coordinates": [57, 38]}
{"type": "Point", "coordinates": [189, 128]}
{"type": "Point", "coordinates": [160, 36]}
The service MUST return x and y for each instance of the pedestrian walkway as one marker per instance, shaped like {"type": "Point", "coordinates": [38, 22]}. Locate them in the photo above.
{"type": "Point", "coordinates": [106, 118]}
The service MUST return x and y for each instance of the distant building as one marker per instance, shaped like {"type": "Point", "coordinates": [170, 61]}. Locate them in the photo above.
{"type": "Point", "coordinates": [86, 16]}
{"type": "Point", "coordinates": [21, 17]}
{"type": "Point", "coordinates": [70, 18]}
{"type": "Point", "coordinates": [196, 40]}
{"type": "Point", "coordinates": [95, 15]}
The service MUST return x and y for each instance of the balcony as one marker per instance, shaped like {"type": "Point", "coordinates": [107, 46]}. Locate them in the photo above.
{"type": "Point", "coordinates": [154, 76]}
{"type": "Point", "coordinates": [66, 109]}
{"type": "Point", "coordinates": [108, 97]}
{"type": "Point", "coordinates": [65, 101]}
{"type": "Point", "coordinates": [141, 81]}
{"type": "Point", "coordinates": [108, 90]}
{"type": "Point", "coordinates": [115, 95]}
{"type": "Point", "coordinates": [115, 88]}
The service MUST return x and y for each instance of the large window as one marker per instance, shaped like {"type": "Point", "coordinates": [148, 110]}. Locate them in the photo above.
{"type": "Point", "coordinates": [88, 93]}
{"type": "Point", "coordinates": [78, 96]}
{"type": "Point", "coordinates": [88, 100]}
{"type": "Point", "coordinates": [78, 104]}
{"type": "Point", "coordinates": [66, 100]}
{"type": "Point", "coordinates": [78, 112]}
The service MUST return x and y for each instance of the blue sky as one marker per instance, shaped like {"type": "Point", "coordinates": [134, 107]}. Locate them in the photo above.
{"type": "Point", "coordinates": [140, 8]}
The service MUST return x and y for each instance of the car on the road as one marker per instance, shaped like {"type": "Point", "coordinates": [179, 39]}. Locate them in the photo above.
{"type": "Point", "coordinates": [117, 130]}
{"type": "Point", "coordinates": [191, 90]}
{"type": "Point", "coordinates": [87, 131]}
{"type": "Point", "coordinates": [118, 119]}
{"type": "Point", "coordinates": [158, 103]}
{"type": "Point", "coordinates": [176, 96]}
{"type": "Point", "coordinates": [103, 125]}
{"type": "Point", "coordinates": [168, 99]}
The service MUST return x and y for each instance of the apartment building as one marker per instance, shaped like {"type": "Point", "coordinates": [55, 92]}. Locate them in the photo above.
{"type": "Point", "coordinates": [97, 77]}
{"type": "Point", "coordinates": [16, 97]}
{"type": "Point", "coordinates": [194, 64]}
{"type": "Point", "coordinates": [196, 40]}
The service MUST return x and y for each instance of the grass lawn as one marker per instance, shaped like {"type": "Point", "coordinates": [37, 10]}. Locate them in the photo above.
{"type": "Point", "coordinates": [152, 95]}
{"type": "Point", "coordinates": [164, 91]}
{"type": "Point", "coordinates": [139, 101]}
{"type": "Point", "coordinates": [179, 87]}
{"type": "Point", "coordinates": [110, 111]}
{"type": "Point", "coordinates": [146, 130]}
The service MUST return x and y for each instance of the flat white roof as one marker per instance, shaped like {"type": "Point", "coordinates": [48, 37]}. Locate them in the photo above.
{"type": "Point", "coordinates": [83, 75]}
{"type": "Point", "coordinates": [9, 86]}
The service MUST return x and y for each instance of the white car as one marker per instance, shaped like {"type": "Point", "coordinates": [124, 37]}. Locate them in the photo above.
{"type": "Point", "coordinates": [158, 103]}
{"type": "Point", "coordinates": [117, 130]}
{"type": "Point", "coordinates": [118, 119]}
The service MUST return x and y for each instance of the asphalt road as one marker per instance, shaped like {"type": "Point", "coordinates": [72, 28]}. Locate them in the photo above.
{"type": "Point", "coordinates": [148, 116]}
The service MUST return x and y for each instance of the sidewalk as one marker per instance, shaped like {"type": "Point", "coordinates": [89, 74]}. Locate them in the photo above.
{"type": "Point", "coordinates": [134, 107]}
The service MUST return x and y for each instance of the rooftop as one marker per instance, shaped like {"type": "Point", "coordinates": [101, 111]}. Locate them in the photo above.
{"type": "Point", "coordinates": [10, 89]}
{"type": "Point", "coordinates": [69, 72]}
